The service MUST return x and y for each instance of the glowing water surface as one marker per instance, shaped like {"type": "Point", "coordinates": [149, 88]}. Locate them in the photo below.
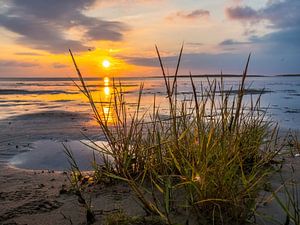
{"type": "Point", "coordinates": [281, 98]}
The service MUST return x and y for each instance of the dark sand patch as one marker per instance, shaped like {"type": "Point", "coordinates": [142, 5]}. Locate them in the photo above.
{"type": "Point", "coordinates": [293, 111]}
{"type": "Point", "coordinates": [27, 92]}
{"type": "Point", "coordinates": [17, 104]}
{"type": "Point", "coordinates": [232, 92]}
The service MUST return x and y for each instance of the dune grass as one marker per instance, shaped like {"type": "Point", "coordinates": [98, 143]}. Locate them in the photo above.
{"type": "Point", "coordinates": [205, 163]}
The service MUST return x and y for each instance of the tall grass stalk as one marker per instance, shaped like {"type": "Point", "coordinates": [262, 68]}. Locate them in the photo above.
{"type": "Point", "coordinates": [207, 162]}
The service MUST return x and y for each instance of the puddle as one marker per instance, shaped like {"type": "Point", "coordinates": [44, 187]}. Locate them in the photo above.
{"type": "Point", "coordinates": [50, 155]}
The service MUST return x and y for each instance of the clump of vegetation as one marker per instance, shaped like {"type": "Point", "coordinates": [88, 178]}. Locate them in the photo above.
{"type": "Point", "coordinates": [206, 162]}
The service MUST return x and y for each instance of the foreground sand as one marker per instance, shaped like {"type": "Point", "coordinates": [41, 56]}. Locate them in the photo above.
{"type": "Point", "coordinates": [35, 197]}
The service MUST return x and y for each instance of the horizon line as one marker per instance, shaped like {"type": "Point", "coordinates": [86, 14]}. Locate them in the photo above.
{"type": "Point", "coordinates": [152, 76]}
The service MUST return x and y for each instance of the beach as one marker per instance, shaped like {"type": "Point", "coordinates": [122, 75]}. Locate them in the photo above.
{"type": "Point", "coordinates": [145, 112]}
{"type": "Point", "coordinates": [35, 192]}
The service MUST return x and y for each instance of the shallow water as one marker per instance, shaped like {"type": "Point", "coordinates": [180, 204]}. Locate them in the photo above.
{"type": "Point", "coordinates": [281, 95]}
{"type": "Point", "coordinates": [50, 155]}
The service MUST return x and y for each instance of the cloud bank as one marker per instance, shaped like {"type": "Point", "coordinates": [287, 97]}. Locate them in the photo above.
{"type": "Point", "coordinates": [282, 17]}
{"type": "Point", "coordinates": [45, 26]}
{"type": "Point", "coordinates": [229, 63]}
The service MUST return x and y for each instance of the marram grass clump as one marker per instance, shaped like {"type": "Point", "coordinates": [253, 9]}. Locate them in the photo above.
{"type": "Point", "coordinates": [204, 164]}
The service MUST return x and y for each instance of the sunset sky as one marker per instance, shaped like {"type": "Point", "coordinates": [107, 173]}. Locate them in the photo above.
{"type": "Point", "coordinates": [35, 36]}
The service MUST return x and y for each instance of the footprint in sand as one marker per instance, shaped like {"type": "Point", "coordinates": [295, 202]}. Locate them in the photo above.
{"type": "Point", "coordinates": [32, 207]}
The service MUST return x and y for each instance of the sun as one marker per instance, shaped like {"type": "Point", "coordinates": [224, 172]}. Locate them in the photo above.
{"type": "Point", "coordinates": [105, 63]}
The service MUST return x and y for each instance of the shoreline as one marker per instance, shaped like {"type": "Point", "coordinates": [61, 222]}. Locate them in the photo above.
{"type": "Point", "coordinates": [91, 78]}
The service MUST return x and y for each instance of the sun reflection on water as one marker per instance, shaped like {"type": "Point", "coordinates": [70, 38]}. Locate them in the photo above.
{"type": "Point", "coordinates": [106, 81]}
{"type": "Point", "coordinates": [106, 88]}
{"type": "Point", "coordinates": [106, 109]}
{"type": "Point", "coordinates": [106, 91]}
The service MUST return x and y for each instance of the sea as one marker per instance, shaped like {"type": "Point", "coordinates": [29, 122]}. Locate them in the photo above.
{"type": "Point", "coordinates": [280, 95]}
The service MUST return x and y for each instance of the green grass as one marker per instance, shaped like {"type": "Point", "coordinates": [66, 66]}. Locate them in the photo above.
{"type": "Point", "coordinates": [207, 162]}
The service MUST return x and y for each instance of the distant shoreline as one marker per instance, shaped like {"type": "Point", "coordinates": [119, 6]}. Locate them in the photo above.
{"type": "Point", "coordinates": [130, 78]}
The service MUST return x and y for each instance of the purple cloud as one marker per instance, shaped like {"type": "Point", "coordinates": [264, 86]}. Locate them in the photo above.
{"type": "Point", "coordinates": [233, 42]}
{"type": "Point", "coordinates": [195, 14]}
{"type": "Point", "coordinates": [280, 14]}
{"type": "Point", "coordinates": [283, 16]}
{"type": "Point", "coordinates": [59, 65]}
{"type": "Point", "coordinates": [28, 53]}
{"type": "Point", "coordinates": [194, 44]}
{"type": "Point", "coordinates": [242, 13]}
{"type": "Point", "coordinates": [11, 63]}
